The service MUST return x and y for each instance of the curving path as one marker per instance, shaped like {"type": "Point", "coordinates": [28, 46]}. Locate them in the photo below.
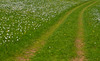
{"type": "Point", "coordinates": [79, 43]}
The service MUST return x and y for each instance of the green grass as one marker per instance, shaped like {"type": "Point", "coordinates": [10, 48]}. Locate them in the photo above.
{"type": "Point", "coordinates": [12, 49]}
{"type": "Point", "coordinates": [92, 33]}
{"type": "Point", "coordinates": [66, 46]}
{"type": "Point", "coordinates": [61, 45]}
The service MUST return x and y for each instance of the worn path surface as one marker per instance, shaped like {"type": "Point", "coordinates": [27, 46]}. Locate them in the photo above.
{"type": "Point", "coordinates": [29, 52]}
{"type": "Point", "coordinates": [80, 37]}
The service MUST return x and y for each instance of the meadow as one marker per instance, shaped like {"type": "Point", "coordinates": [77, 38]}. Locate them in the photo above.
{"type": "Point", "coordinates": [23, 22]}
{"type": "Point", "coordinates": [20, 17]}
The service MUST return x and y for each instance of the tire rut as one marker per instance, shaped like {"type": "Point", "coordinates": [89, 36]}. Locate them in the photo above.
{"type": "Point", "coordinates": [80, 37]}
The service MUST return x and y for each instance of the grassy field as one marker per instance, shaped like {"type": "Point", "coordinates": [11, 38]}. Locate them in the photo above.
{"type": "Point", "coordinates": [92, 32]}
{"type": "Point", "coordinates": [49, 26]}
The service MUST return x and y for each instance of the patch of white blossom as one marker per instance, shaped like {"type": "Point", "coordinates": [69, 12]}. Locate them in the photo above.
{"type": "Point", "coordinates": [18, 17]}
{"type": "Point", "coordinates": [95, 12]}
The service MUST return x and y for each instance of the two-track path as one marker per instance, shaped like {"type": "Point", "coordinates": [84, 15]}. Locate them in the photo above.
{"type": "Point", "coordinates": [29, 52]}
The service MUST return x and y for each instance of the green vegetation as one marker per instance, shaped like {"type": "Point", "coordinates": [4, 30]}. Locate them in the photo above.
{"type": "Point", "coordinates": [92, 32]}
{"type": "Point", "coordinates": [26, 23]}
{"type": "Point", "coordinates": [22, 22]}
{"type": "Point", "coordinates": [61, 45]}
